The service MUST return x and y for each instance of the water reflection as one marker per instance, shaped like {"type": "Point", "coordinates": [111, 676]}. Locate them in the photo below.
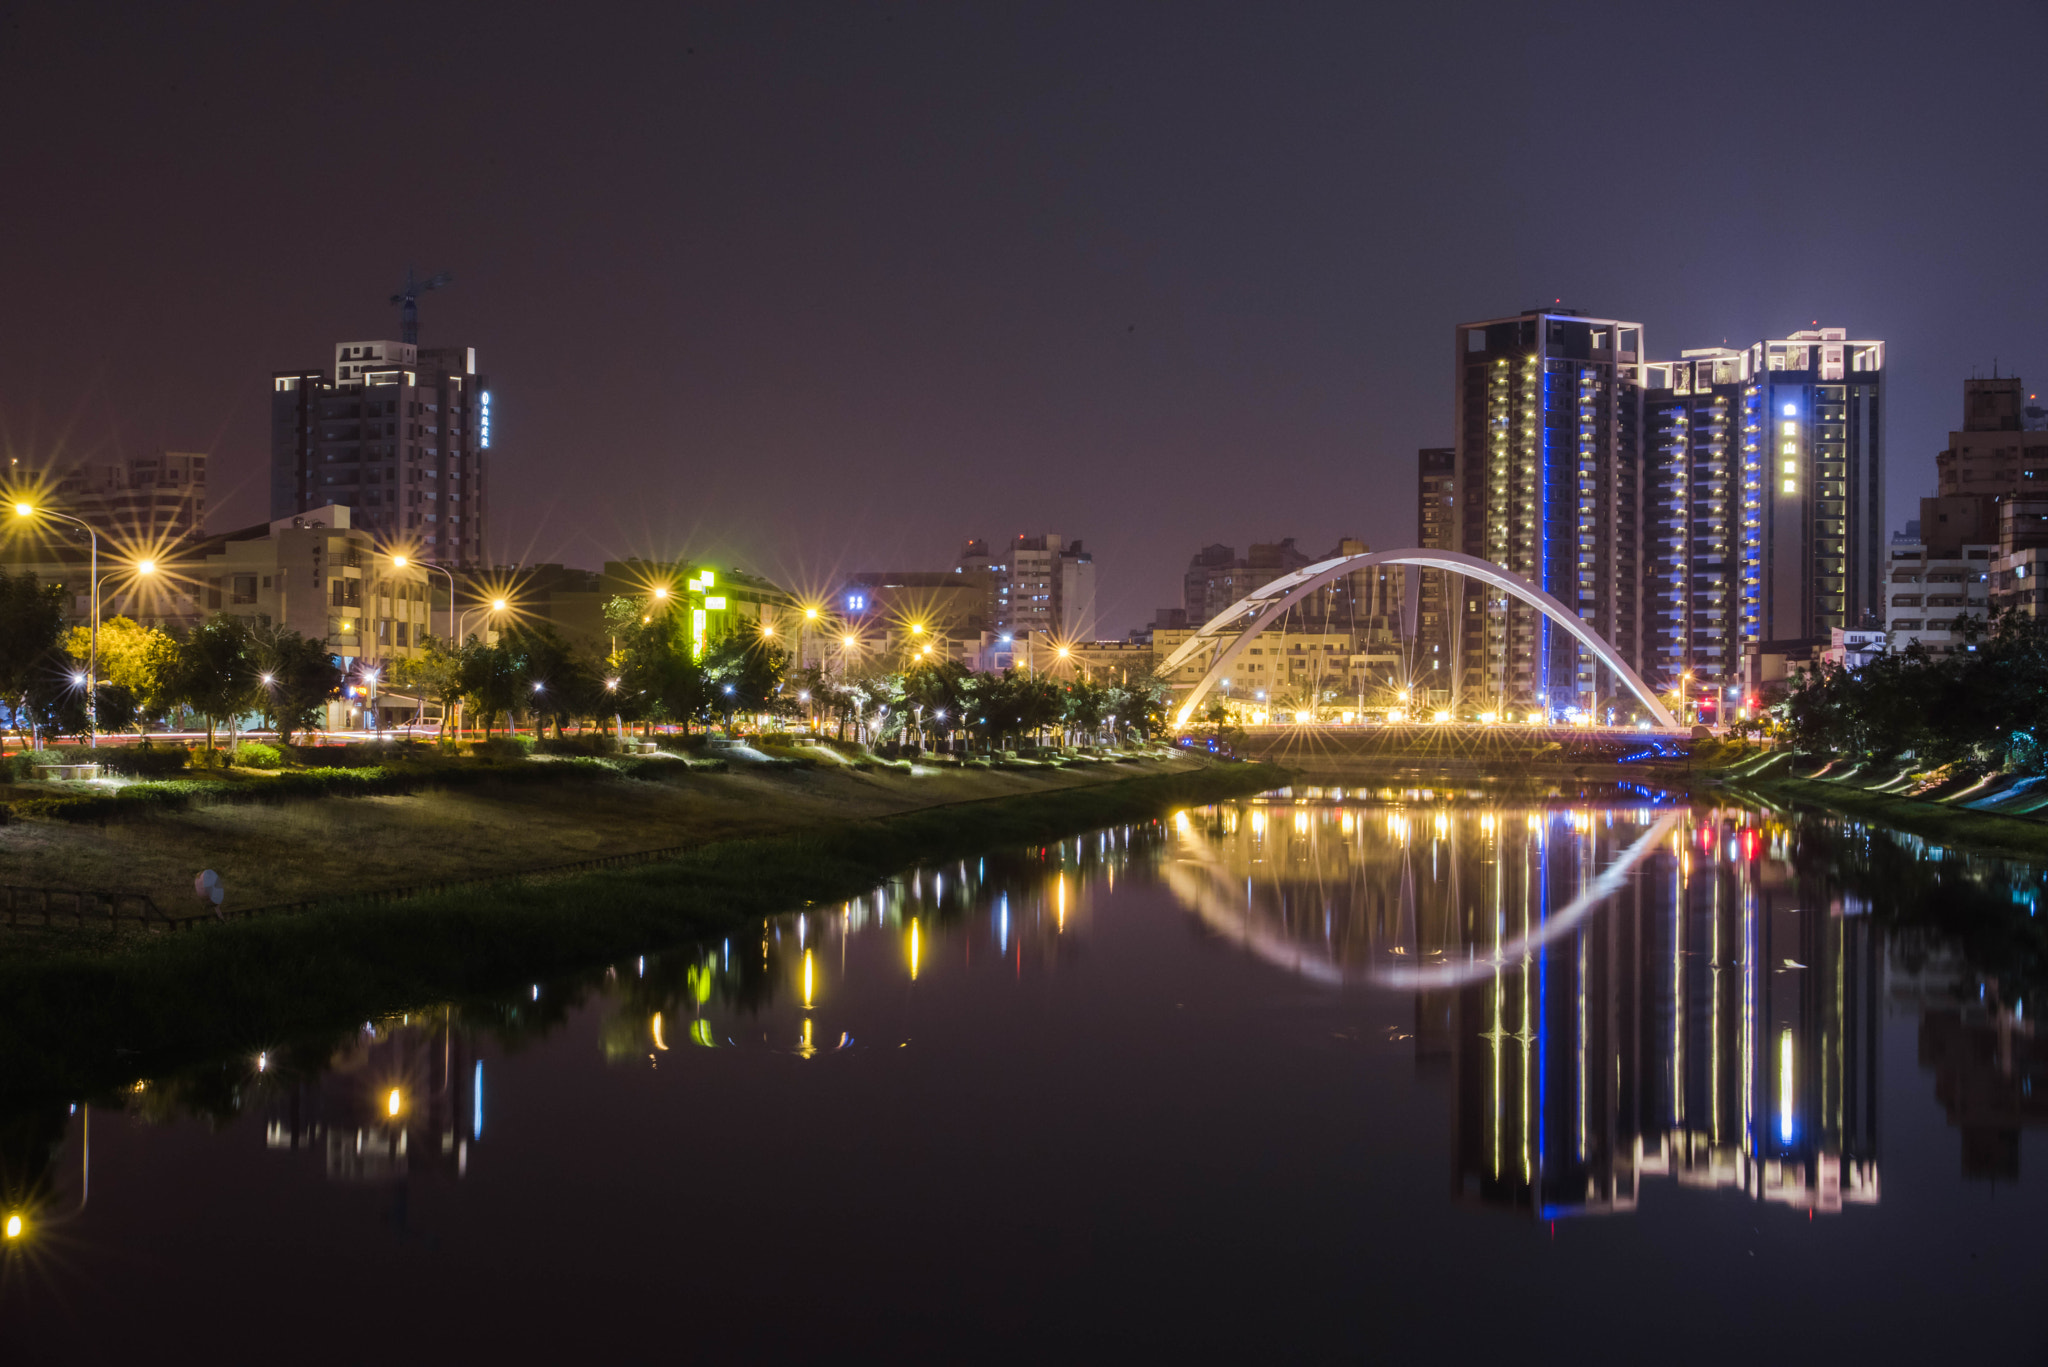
{"type": "Point", "coordinates": [1621, 992]}
{"type": "Point", "coordinates": [1618, 991]}
{"type": "Point", "coordinates": [400, 1100]}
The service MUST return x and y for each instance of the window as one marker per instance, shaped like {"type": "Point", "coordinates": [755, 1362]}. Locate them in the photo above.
{"type": "Point", "coordinates": [244, 588]}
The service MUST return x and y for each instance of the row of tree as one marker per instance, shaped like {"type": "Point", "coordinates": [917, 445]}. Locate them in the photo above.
{"type": "Point", "coordinates": [656, 673]}
{"type": "Point", "coordinates": [226, 669]}
{"type": "Point", "coordinates": [1986, 705]}
{"type": "Point", "coordinates": [222, 669]}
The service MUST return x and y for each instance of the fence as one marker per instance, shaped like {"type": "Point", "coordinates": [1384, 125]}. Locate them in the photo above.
{"type": "Point", "coordinates": [44, 906]}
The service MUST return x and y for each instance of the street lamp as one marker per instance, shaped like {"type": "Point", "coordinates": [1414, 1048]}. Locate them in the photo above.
{"type": "Point", "coordinates": [401, 561]}
{"type": "Point", "coordinates": [498, 605]}
{"type": "Point", "coordinates": [26, 510]}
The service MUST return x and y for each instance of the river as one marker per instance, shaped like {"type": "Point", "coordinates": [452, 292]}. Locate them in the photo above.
{"type": "Point", "coordinates": [1325, 1074]}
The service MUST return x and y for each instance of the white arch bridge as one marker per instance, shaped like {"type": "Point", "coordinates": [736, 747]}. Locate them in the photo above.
{"type": "Point", "coordinates": [1246, 619]}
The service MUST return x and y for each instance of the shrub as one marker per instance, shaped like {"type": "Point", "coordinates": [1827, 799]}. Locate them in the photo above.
{"type": "Point", "coordinates": [590, 743]}
{"type": "Point", "coordinates": [256, 755]}
{"type": "Point", "coordinates": [504, 748]}
{"type": "Point", "coordinates": [363, 754]}
{"type": "Point", "coordinates": [209, 757]}
{"type": "Point", "coordinates": [143, 760]}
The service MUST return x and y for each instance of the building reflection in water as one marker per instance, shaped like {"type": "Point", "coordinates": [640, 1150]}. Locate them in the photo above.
{"type": "Point", "coordinates": [1022, 909]}
{"type": "Point", "coordinates": [1618, 990]}
{"type": "Point", "coordinates": [1990, 1074]}
{"type": "Point", "coordinates": [1621, 992]}
{"type": "Point", "coordinates": [402, 1099]}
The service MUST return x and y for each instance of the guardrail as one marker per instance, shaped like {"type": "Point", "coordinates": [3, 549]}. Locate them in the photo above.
{"type": "Point", "coordinates": [43, 907]}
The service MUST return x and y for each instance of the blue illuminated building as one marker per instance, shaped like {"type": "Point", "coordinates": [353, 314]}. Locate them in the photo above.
{"type": "Point", "coordinates": [1546, 476]}
{"type": "Point", "coordinates": [1764, 506]}
{"type": "Point", "coordinates": [1716, 518]}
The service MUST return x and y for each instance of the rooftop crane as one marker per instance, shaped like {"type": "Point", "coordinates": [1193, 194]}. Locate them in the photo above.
{"type": "Point", "coordinates": [408, 301]}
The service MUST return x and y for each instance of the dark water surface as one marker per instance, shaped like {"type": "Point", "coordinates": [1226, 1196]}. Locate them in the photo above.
{"type": "Point", "coordinates": [1319, 1076]}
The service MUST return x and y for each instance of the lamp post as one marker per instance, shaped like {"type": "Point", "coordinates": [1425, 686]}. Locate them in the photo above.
{"type": "Point", "coordinates": [370, 703]}
{"type": "Point", "coordinates": [142, 567]}
{"type": "Point", "coordinates": [92, 669]}
{"type": "Point", "coordinates": [497, 606]}
{"type": "Point", "coordinates": [401, 561]}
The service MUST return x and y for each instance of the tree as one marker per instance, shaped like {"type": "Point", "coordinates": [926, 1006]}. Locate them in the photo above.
{"type": "Point", "coordinates": [131, 655]}
{"type": "Point", "coordinates": [1085, 705]}
{"type": "Point", "coordinates": [114, 708]}
{"type": "Point", "coordinates": [560, 684]}
{"type": "Point", "coordinates": [303, 676]}
{"type": "Point", "coordinates": [935, 694]}
{"type": "Point", "coordinates": [217, 676]}
{"type": "Point", "coordinates": [654, 660]}
{"type": "Point", "coordinates": [745, 671]}
{"type": "Point", "coordinates": [36, 674]}
{"type": "Point", "coordinates": [493, 683]}
{"type": "Point", "coordinates": [435, 675]}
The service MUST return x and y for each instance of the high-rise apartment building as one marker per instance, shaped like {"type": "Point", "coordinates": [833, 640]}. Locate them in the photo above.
{"type": "Point", "coordinates": [1218, 576]}
{"type": "Point", "coordinates": [1546, 471]}
{"type": "Point", "coordinates": [1690, 511]}
{"type": "Point", "coordinates": [400, 434]}
{"type": "Point", "coordinates": [1436, 492]}
{"type": "Point", "coordinates": [2003, 447]}
{"type": "Point", "coordinates": [1764, 505]}
{"type": "Point", "coordinates": [1814, 543]}
{"type": "Point", "coordinates": [1036, 584]}
{"type": "Point", "coordinates": [144, 503]}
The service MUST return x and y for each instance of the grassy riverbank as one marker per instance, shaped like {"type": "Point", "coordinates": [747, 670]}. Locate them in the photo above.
{"type": "Point", "coordinates": [467, 821]}
{"type": "Point", "coordinates": [1934, 815]}
{"type": "Point", "coordinates": [78, 1014]}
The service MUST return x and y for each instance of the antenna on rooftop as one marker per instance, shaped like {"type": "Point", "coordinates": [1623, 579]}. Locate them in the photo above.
{"type": "Point", "coordinates": [408, 301]}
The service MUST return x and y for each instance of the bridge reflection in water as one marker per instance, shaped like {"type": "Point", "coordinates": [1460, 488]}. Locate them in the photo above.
{"type": "Point", "coordinates": [1621, 992]}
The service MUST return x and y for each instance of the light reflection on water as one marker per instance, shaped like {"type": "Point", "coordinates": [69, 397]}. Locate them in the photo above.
{"type": "Point", "coordinates": [1618, 993]}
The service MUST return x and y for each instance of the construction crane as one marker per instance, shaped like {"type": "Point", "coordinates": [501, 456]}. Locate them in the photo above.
{"type": "Point", "coordinates": [408, 301]}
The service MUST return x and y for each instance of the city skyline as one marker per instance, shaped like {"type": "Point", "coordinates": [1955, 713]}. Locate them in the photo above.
{"type": "Point", "coordinates": [1070, 302]}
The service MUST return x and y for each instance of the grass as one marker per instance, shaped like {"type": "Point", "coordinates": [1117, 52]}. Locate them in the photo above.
{"type": "Point", "coordinates": [283, 852]}
{"type": "Point", "coordinates": [1962, 827]}
{"type": "Point", "coordinates": [79, 1014]}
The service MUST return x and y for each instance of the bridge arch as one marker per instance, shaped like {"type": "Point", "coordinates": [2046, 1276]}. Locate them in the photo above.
{"type": "Point", "coordinates": [1251, 615]}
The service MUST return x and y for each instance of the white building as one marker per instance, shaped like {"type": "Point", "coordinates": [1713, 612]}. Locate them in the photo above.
{"type": "Point", "coordinates": [1036, 584]}
{"type": "Point", "coordinates": [1927, 590]}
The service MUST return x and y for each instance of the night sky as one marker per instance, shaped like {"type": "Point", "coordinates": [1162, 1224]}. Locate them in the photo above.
{"type": "Point", "coordinates": [819, 288]}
